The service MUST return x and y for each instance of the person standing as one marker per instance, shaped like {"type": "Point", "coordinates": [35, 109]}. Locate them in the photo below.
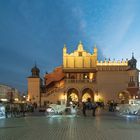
{"type": "Point", "coordinates": [7, 110]}
{"type": "Point", "coordinates": [94, 107]}
{"type": "Point", "coordinates": [84, 109]}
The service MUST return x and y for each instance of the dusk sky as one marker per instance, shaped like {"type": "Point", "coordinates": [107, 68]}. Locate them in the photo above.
{"type": "Point", "coordinates": [36, 31]}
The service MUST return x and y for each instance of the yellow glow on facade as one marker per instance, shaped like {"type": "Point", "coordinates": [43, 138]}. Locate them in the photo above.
{"type": "Point", "coordinates": [98, 98]}
{"type": "Point", "coordinates": [16, 99]}
{"type": "Point", "coordinates": [62, 97]}
{"type": "Point", "coordinates": [28, 98]}
{"type": "Point", "coordinates": [85, 97]}
{"type": "Point", "coordinates": [79, 58]}
{"type": "Point", "coordinates": [74, 97]}
{"type": "Point", "coordinates": [90, 76]}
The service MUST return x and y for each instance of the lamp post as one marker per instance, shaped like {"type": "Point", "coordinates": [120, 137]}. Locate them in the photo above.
{"type": "Point", "coordinates": [23, 98]}
{"type": "Point", "coordinates": [40, 99]}
{"type": "Point", "coordinates": [11, 97]}
{"type": "Point", "coordinates": [64, 98]}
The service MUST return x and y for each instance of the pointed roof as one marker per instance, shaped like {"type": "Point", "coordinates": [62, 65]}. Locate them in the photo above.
{"type": "Point", "coordinates": [35, 68]}
{"type": "Point", "coordinates": [133, 60]}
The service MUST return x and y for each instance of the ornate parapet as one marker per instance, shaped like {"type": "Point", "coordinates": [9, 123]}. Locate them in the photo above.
{"type": "Point", "coordinates": [112, 63]}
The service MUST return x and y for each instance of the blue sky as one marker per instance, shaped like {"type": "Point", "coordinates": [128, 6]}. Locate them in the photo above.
{"type": "Point", "coordinates": [36, 30]}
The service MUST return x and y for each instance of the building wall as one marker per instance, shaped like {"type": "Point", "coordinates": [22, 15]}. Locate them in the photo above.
{"type": "Point", "coordinates": [80, 86]}
{"type": "Point", "coordinates": [34, 90]}
{"type": "Point", "coordinates": [107, 86]}
{"type": "Point", "coordinates": [54, 97]}
{"type": "Point", "coordinates": [110, 83]}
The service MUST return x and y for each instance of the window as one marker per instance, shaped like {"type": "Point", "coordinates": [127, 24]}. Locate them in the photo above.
{"type": "Point", "coordinates": [72, 77]}
{"type": "Point", "coordinates": [80, 53]}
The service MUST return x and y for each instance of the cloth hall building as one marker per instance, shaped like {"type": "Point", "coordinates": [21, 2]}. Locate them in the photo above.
{"type": "Point", "coordinates": [82, 76]}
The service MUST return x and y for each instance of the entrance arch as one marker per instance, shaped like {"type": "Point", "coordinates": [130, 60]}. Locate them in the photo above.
{"type": "Point", "coordinates": [87, 93]}
{"type": "Point", "coordinates": [72, 95]}
{"type": "Point", "coordinates": [123, 96]}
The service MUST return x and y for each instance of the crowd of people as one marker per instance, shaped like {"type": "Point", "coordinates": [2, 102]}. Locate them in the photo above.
{"type": "Point", "coordinates": [92, 106]}
{"type": "Point", "coordinates": [21, 109]}
{"type": "Point", "coordinates": [112, 106]}
{"type": "Point", "coordinates": [18, 109]}
{"type": "Point", "coordinates": [89, 106]}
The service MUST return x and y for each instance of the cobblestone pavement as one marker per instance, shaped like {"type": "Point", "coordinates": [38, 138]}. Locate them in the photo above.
{"type": "Point", "coordinates": [105, 126]}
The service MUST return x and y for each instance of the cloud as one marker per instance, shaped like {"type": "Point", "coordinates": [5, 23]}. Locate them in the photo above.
{"type": "Point", "coordinates": [80, 16]}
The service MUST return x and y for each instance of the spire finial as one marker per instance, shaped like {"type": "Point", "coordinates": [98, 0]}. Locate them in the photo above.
{"type": "Point", "coordinates": [35, 64]}
{"type": "Point", "coordinates": [95, 49]}
{"type": "Point", "coordinates": [132, 54]}
{"type": "Point", "coordinates": [64, 49]}
{"type": "Point", "coordinates": [80, 46]}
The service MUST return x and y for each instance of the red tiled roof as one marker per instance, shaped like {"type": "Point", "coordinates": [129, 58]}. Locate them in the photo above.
{"type": "Point", "coordinates": [55, 76]}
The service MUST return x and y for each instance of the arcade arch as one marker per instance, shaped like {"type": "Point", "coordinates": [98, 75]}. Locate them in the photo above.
{"type": "Point", "coordinates": [72, 95]}
{"type": "Point", "coordinates": [87, 93]}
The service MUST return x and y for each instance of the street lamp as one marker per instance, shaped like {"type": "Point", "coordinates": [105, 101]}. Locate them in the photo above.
{"type": "Point", "coordinates": [11, 97]}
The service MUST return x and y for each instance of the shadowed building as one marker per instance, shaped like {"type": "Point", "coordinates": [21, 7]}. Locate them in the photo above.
{"type": "Point", "coordinates": [82, 76]}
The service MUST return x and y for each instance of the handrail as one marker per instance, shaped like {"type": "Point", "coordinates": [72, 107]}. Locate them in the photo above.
{"type": "Point", "coordinates": [48, 93]}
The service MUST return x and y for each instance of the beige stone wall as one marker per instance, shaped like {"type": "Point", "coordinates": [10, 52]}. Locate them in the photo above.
{"type": "Point", "coordinates": [110, 83]}
{"type": "Point", "coordinates": [61, 94]}
{"type": "Point", "coordinates": [107, 86]}
{"type": "Point", "coordinates": [34, 89]}
{"type": "Point", "coordinates": [55, 97]}
{"type": "Point", "coordinates": [134, 75]}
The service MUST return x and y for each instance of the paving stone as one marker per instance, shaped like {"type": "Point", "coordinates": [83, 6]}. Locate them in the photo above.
{"type": "Point", "coordinates": [106, 126]}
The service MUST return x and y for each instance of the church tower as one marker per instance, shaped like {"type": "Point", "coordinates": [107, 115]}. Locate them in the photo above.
{"type": "Point", "coordinates": [34, 83]}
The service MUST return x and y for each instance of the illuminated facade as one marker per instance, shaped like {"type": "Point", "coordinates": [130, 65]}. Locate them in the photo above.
{"type": "Point", "coordinates": [82, 76]}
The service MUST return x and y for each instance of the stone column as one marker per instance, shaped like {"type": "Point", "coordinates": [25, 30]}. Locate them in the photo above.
{"type": "Point", "coordinates": [80, 99]}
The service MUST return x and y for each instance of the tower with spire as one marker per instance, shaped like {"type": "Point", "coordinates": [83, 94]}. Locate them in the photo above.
{"type": "Point", "coordinates": [132, 63]}
{"type": "Point", "coordinates": [35, 71]}
{"type": "Point", "coordinates": [34, 83]}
